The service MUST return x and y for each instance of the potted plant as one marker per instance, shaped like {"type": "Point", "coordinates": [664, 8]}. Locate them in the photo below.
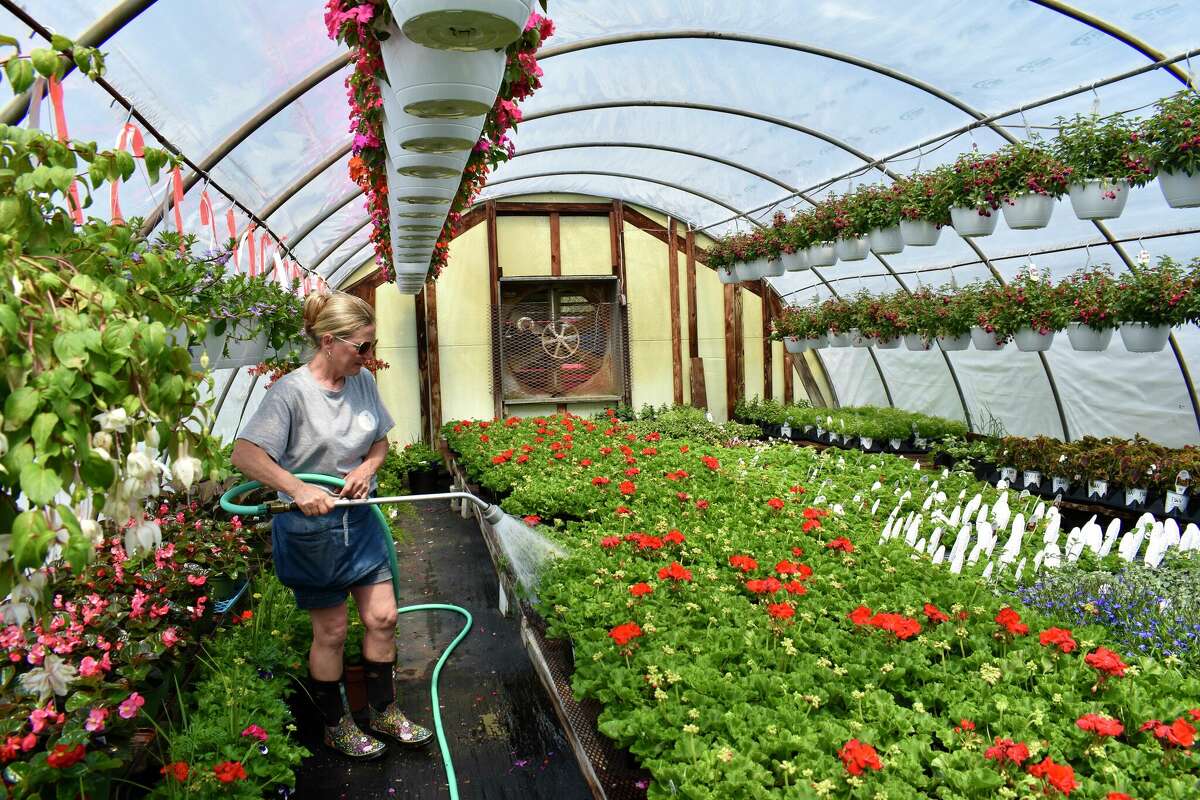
{"type": "Point", "coordinates": [989, 303]}
{"type": "Point", "coordinates": [821, 234]}
{"type": "Point", "coordinates": [857, 319]}
{"type": "Point", "coordinates": [810, 326]}
{"type": "Point", "coordinates": [882, 322]}
{"type": "Point", "coordinates": [968, 189]}
{"type": "Point", "coordinates": [923, 211]}
{"type": "Point", "coordinates": [916, 317]}
{"type": "Point", "coordinates": [1029, 310]}
{"type": "Point", "coordinates": [1089, 298]}
{"type": "Point", "coordinates": [1030, 180]}
{"type": "Point", "coordinates": [720, 258]}
{"type": "Point", "coordinates": [850, 222]}
{"type": "Point", "coordinates": [837, 317]}
{"type": "Point", "coordinates": [1173, 134]}
{"type": "Point", "coordinates": [1106, 157]}
{"type": "Point", "coordinates": [1153, 300]}
{"type": "Point", "coordinates": [880, 208]}
{"type": "Point", "coordinates": [794, 259]}
{"type": "Point", "coordinates": [953, 314]}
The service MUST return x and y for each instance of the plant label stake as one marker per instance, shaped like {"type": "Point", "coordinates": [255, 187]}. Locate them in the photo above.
{"type": "Point", "coordinates": [1097, 488]}
{"type": "Point", "coordinates": [1176, 501]}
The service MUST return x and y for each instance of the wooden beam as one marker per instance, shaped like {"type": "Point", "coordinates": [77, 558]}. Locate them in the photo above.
{"type": "Point", "coordinates": [434, 360]}
{"type": "Point", "coordinates": [693, 327]}
{"type": "Point", "coordinates": [470, 219]}
{"type": "Point", "coordinates": [768, 349]}
{"type": "Point", "coordinates": [555, 252]}
{"type": "Point", "coordinates": [423, 366]}
{"type": "Point", "coordinates": [741, 345]}
{"type": "Point", "coordinates": [518, 209]}
{"type": "Point", "coordinates": [699, 394]}
{"type": "Point", "coordinates": [731, 345]}
{"type": "Point", "coordinates": [639, 220]}
{"type": "Point", "coordinates": [616, 235]}
{"type": "Point", "coordinates": [676, 334]}
{"type": "Point", "coordinates": [493, 252]}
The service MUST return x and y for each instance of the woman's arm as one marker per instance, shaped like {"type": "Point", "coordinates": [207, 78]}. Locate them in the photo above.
{"type": "Point", "coordinates": [253, 462]}
{"type": "Point", "coordinates": [358, 481]}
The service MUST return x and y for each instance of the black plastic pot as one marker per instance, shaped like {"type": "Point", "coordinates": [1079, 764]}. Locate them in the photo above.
{"type": "Point", "coordinates": [428, 481]}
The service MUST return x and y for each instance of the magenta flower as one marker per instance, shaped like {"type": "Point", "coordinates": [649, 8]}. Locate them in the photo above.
{"type": "Point", "coordinates": [95, 720]}
{"type": "Point", "coordinates": [130, 705]}
{"type": "Point", "coordinates": [256, 731]}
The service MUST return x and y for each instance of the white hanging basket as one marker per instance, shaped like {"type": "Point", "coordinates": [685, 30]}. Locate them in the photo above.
{"type": "Point", "coordinates": [839, 339]}
{"type": "Point", "coordinates": [822, 255]}
{"type": "Point", "coordinates": [1028, 211]}
{"type": "Point", "coordinates": [1098, 199]}
{"type": "Point", "coordinates": [886, 241]}
{"type": "Point", "coordinates": [727, 275]}
{"type": "Point", "coordinates": [919, 233]}
{"type": "Point", "coordinates": [773, 268]}
{"type": "Point", "coordinates": [1088, 339]}
{"type": "Point", "coordinates": [417, 135]}
{"type": "Point", "coordinates": [756, 270]}
{"type": "Point", "coordinates": [417, 192]}
{"type": "Point", "coordinates": [857, 339]}
{"type": "Point", "coordinates": [1030, 341]}
{"type": "Point", "coordinates": [795, 262]}
{"type": "Point", "coordinates": [969, 222]}
{"type": "Point", "coordinates": [794, 344]}
{"type": "Point", "coordinates": [432, 84]}
{"type": "Point", "coordinates": [817, 342]}
{"type": "Point", "coordinates": [915, 341]}
{"type": "Point", "coordinates": [1180, 189]}
{"type": "Point", "coordinates": [1139, 337]}
{"type": "Point", "coordinates": [243, 348]}
{"type": "Point", "coordinates": [853, 249]}
{"type": "Point", "coordinates": [984, 340]}
{"type": "Point", "coordinates": [462, 25]}
{"type": "Point", "coordinates": [890, 344]}
{"type": "Point", "coordinates": [951, 344]}
{"type": "Point", "coordinates": [427, 166]}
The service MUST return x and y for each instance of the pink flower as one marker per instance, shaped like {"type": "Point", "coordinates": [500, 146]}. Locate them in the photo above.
{"type": "Point", "coordinates": [256, 731]}
{"type": "Point", "coordinates": [130, 705]}
{"type": "Point", "coordinates": [170, 637]}
{"type": "Point", "coordinates": [40, 717]}
{"type": "Point", "coordinates": [138, 605]}
{"type": "Point", "coordinates": [95, 720]}
{"type": "Point", "coordinates": [197, 580]}
{"type": "Point", "coordinates": [90, 667]}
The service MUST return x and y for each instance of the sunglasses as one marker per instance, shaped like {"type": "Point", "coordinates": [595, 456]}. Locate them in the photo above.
{"type": "Point", "coordinates": [361, 347]}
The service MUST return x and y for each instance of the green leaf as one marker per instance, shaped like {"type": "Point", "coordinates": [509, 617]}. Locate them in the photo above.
{"type": "Point", "coordinates": [79, 700]}
{"type": "Point", "coordinates": [96, 472]}
{"type": "Point", "coordinates": [43, 426]}
{"type": "Point", "coordinates": [117, 337]}
{"type": "Point", "coordinates": [44, 61]}
{"type": "Point", "coordinates": [8, 317]}
{"type": "Point", "coordinates": [83, 60]}
{"type": "Point", "coordinates": [125, 165]}
{"type": "Point", "coordinates": [19, 407]}
{"type": "Point", "coordinates": [60, 42]}
{"type": "Point", "coordinates": [28, 528]}
{"type": "Point", "coordinates": [39, 484]}
{"type": "Point", "coordinates": [71, 349]}
{"type": "Point", "coordinates": [62, 177]}
{"type": "Point", "coordinates": [104, 381]}
{"type": "Point", "coordinates": [9, 41]}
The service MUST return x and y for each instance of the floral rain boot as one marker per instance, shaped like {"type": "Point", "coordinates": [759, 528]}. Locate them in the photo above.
{"type": "Point", "coordinates": [392, 723]}
{"type": "Point", "coordinates": [347, 739]}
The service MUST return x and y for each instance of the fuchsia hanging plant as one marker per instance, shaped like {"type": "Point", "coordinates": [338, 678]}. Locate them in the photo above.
{"type": "Point", "coordinates": [360, 25]}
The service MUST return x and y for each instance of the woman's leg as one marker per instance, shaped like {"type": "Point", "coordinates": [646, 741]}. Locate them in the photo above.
{"type": "Point", "coordinates": [329, 638]}
{"type": "Point", "coordinates": [377, 606]}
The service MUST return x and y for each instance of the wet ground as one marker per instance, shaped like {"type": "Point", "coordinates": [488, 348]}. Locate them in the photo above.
{"type": "Point", "coordinates": [502, 731]}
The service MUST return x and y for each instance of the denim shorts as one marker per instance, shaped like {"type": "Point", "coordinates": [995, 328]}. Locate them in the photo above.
{"type": "Point", "coordinates": [321, 558]}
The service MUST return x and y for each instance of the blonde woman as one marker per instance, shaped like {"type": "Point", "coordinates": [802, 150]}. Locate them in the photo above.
{"type": "Point", "coordinates": [326, 417]}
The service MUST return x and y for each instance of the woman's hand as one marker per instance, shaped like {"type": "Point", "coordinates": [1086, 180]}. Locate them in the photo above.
{"type": "Point", "coordinates": [358, 482]}
{"type": "Point", "coordinates": [313, 500]}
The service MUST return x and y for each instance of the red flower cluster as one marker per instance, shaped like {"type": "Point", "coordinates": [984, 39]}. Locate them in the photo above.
{"type": "Point", "coordinates": [644, 541]}
{"type": "Point", "coordinates": [623, 511]}
{"type": "Point", "coordinates": [781, 611]}
{"type": "Point", "coordinates": [812, 519]}
{"type": "Point", "coordinates": [765, 586]}
{"type": "Point", "coordinates": [63, 756]}
{"type": "Point", "coordinates": [786, 567]}
{"type": "Point", "coordinates": [901, 626]}
{"type": "Point", "coordinates": [677, 475]}
{"type": "Point", "coordinates": [627, 487]}
{"type": "Point", "coordinates": [1060, 776]}
{"type": "Point", "coordinates": [775, 504]}
{"type": "Point", "coordinates": [674, 537]}
{"type": "Point", "coordinates": [532, 519]}
{"type": "Point", "coordinates": [1011, 621]}
{"type": "Point", "coordinates": [676, 572]}
{"type": "Point", "coordinates": [610, 542]}
{"type": "Point", "coordinates": [600, 480]}
{"type": "Point", "coordinates": [964, 726]}
{"type": "Point", "coordinates": [177, 770]}
{"type": "Point", "coordinates": [1179, 733]}
{"type": "Point", "coordinates": [710, 462]}
{"type": "Point", "coordinates": [626, 633]}
{"type": "Point", "coordinates": [840, 543]}
{"type": "Point", "coordinates": [1058, 637]}
{"type": "Point", "coordinates": [858, 756]}
{"type": "Point", "coordinates": [1108, 663]}
{"type": "Point", "coordinates": [229, 771]}
{"type": "Point", "coordinates": [641, 589]}
{"type": "Point", "coordinates": [935, 616]}
{"type": "Point", "coordinates": [1006, 751]}
{"type": "Point", "coordinates": [796, 489]}
{"type": "Point", "coordinates": [1100, 725]}
{"type": "Point", "coordinates": [744, 563]}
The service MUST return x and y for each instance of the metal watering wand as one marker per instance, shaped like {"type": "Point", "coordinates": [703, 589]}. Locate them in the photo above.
{"type": "Point", "coordinates": [491, 513]}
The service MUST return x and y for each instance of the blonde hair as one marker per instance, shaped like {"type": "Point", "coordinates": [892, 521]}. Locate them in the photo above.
{"type": "Point", "coordinates": [336, 313]}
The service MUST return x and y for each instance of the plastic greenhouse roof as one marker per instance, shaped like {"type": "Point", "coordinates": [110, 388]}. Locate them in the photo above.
{"type": "Point", "coordinates": [705, 110]}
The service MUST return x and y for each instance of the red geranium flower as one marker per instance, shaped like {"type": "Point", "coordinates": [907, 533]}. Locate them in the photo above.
{"type": "Point", "coordinates": [532, 519]}
{"type": "Point", "coordinates": [797, 489]}
{"type": "Point", "coordinates": [632, 471]}
{"type": "Point", "coordinates": [964, 725]}
{"type": "Point", "coordinates": [586, 462]}
{"type": "Point", "coordinates": [674, 537]}
{"type": "Point", "coordinates": [609, 542]}
{"type": "Point", "coordinates": [1011, 621]}
{"type": "Point", "coordinates": [934, 616]}
{"type": "Point", "coordinates": [775, 503]}
{"type": "Point", "coordinates": [605, 451]}
{"type": "Point", "coordinates": [1117, 796]}
{"type": "Point", "coordinates": [600, 480]}
{"type": "Point", "coordinates": [840, 543]}
{"type": "Point", "coordinates": [710, 462]}
{"type": "Point", "coordinates": [177, 770]}
{"type": "Point", "coordinates": [765, 586]}
{"type": "Point", "coordinates": [860, 615]}
{"type": "Point", "coordinates": [521, 459]}
{"type": "Point", "coordinates": [1060, 776]}
{"type": "Point", "coordinates": [1007, 751]}
{"type": "Point", "coordinates": [744, 563]}
{"type": "Point", "coordinates": [624, 634]}
{"type": "Point", "coordinates": [649, 451]}
{"type": "Point", "coordinates": [676, 572]}
{"type": "Point", "coordinates": [1100, 725]}
{"type": "Point", "coordinates": [797, 551]}
{"type": "Point", "coordinates": [858, 756]}
{"type": "Point", "coordinates": [1179, 733]}
{"type": "Point", "coordinates": [702, 504]}
{"type": "Point", "coordinates": [623, 511]}
{"type": "Point", "coordinates": [1107, 662]}
{"type": "Point", "coordinates": [795, 587]}
{"type": "Point", "coordinates": [683, 448]}
{"type": "Point", "coordinates": [230, 771]}
{"type": "Point", "coordinates": [627, 487]}
{"type": "Point", "coordinates": [682, 497]}
{"type": "Point", "coordinates": [781, 611]}
{"type": "Point", "coordinates": [1058, 637]}
{"type": "Point", "coordinates": [641, 589]}
{"type": "Point", "coordinates": [63, 756]}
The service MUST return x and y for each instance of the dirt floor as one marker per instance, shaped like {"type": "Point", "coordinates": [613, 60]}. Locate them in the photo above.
{"type": "Point", "coordinates": [502, 731]}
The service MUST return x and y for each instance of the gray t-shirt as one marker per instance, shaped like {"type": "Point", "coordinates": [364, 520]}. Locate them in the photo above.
{"type": "Point", "coordinates": [305, 427]}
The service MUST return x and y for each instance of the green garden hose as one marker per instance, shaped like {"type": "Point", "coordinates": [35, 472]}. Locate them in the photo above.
{"type": "Point", "coordinates": [233, 508]}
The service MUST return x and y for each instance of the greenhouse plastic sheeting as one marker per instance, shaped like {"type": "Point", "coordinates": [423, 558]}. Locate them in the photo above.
{"type": "Point", "coordinates": [704, 110]}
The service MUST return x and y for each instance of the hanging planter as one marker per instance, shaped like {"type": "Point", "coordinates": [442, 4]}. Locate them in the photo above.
{"type": "Point", "coordinates": [886, 241]}
{"type": "Point", "coordinates": [773, 268]}
{"type": "Point", "coordinates": [857, 339]}
{"type": "Point", "coordinates": [410, 134]}
{"type": "Point", "coordinates": [969, 222]}
{"type": "Point", "coordinates": [890, 344]}
{"type": "Point", "coordinates": [817, 342]}
{"type": "Point", "coordinates": [243, 347]}
{"type": "Point", "coordinates": [726, 275]}
{"type": "Point", "coordinates": [440, 85]}
{"type": "Point", "coordinates": [462, 25]}
{"type": "Point", "coordinates": [915, 341]}
{"type": "Point", "coordinates": [758, 269]}
{"type": "Point", "coordinates": [1030, 341]}
{"type": "Point", "coordinates": [794, 344]}
{"type": "Point", "coordinates": [795, 262]}
{"type": "Point", "coordinates": [1028, 211]}
{"type": "Point", "coordinates": [854, 248]}
{"type": "Point", "coordinates": [822, 255]}
{"type": "Point", "coordinates": [1087, 339]}
{"type": "Point", "coordinates": [840, 339]}
{"type": "Point", "coordinates": [1180, 189]}
{"type": "Point", "coordinates": [919, 233]}
{"type": "Point", "coordinates": [1098, 199]}
{"type": "Point", "coordinates": [951, 344]}
{"type": "Point", "coordinates": [983, 340]}
{"type": "Point", "coordinates": [1139, 337]}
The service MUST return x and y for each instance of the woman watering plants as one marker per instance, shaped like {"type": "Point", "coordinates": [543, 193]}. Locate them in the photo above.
{"type": "Point", "coordinates": [326, 417]}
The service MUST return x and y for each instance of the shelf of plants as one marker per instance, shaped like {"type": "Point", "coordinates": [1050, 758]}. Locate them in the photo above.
{"type": "Point", "coordinates": [763, 621]}
{"type": "Point", "coordinates": [1094, 161]}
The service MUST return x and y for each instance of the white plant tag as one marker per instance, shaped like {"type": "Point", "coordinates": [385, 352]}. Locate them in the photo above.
{"type": "Point", "coordinates": [1176, 501]}
{"type": "Point", "coordinates": [1008, 474]}
{"type": "Point", "coordinates": [895, 443]}
{"type": "Point", "coordinates": [786, 430]}
{"type": "Point", "coordinates": [820, 431]}
{"type": "Point", "coordinates": [920, 442]}
{"type": "Point", "coordinates": [867, 441]}
{"type": "Point", "coordinates": [1135, 496]}
{"type": "Point", "coordinates": [1097, 488]}
{"type": "Point", "coordinates": [1032, 477]}
{"type": "Point", "coordinates": [1061, 484]}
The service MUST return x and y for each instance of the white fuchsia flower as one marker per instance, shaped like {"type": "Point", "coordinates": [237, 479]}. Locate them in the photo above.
{"type": "Point", "coordinates": [113, 420]}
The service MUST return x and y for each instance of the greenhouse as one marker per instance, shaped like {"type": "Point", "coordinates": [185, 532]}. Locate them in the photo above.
{"type": "Point", "coordinates": [562, 399]}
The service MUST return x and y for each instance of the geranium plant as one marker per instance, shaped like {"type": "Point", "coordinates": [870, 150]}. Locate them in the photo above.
{"type": "Point", "coordinates": [1029, 300]}
{"type": "Point", "coordinates": [970, 183]}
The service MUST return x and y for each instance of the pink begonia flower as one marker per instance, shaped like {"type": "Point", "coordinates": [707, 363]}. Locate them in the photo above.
{"type": "Point", "coordinates": [138, 605]}
{"type": "Point", "coordinates": [256, 731]}
{"type": "Point", "coordinates": [40, 717]}
{"type": "Point", "coordinates": [90, 667]}
{"type": "Point", "coordinates": [130, 705]}
{"type": "Point", "coordinates": [95, 720]}
{"type": "Point", "coordinates": [170, 637]}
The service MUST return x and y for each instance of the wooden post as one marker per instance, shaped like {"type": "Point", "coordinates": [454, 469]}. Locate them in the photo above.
{"type": "Point", "coordinates": [434, 360]}
{"type": "Point", "coordinates": [731, 348]}
{"type": "Point", "coordinates": [616, 235]}
{"type": "Point", "coordinates": [699, 393]}
{"type": "Point", "coordinates": [423, 366]}
{"type": "Point", "coordinates": [493, 250]}
{"type": "Point", "coordinates": [676, 334]}
{"type": "Point", "coordinates": [768, 349]}
{"type": "Point", "coordinates": [740, 388]}
{"type": "Point", "coordinates": [555, 255]}
{"type": "Point", "coordinates": [693, 336]}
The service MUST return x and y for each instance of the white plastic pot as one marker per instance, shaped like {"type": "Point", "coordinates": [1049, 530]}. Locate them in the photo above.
{"type": "Point", "coordinates": [726, 275]}
{"type": "Point", "coordinates": [1030, 341]}
{"type": "Point", "coordinates": [758, 269]}
{"type": "Point", "coordinates": [795, 262]}
{"type": "Point", "coordinates": [817, 342]}
{"type": "Point", "coordinates": [915, 341]}
{"type": "Point", "coordinates": [984, 340]}
{"type": "Point", "coordinates": [919, 233]}
{"type": "Point", "coordinates": [839, 339]}
{"type": "Point", "coordinates": [1180, 189]}
{"type": "Point", "coordinates": [462, 25]}
{"type": "Point", "coordinates": [774, 268]}
{"type": "Point", "coordinates": [1096, 199]}
{"type": "Point", "coordinates": [857, 339]}
{"type": "Point", "coordinates": [853, 249]}
{"type": "Point", "coordinates": [427, 166]}
{"type": "Point", "coordinates": [890, 344]}
{"type": "Point", "coordinates": [1088, 339]}
{"type": "Point", "coordinates": [1139, 337]}
{"type": "Point", "coordinates": [794, 344]}
{"type": "Point", "coordinates": [886, 241]}
{"type": "Point", "coordinates": [969, 222]}
{"type": "Point", "coordinates": [244, 349]}
{"type": "Point", "coordinates": [418, 135]}
{"type": "Point", "coordinates": [1028, 211]}
{"type": "Point", "coordinates": [432, 84]}
{"type": "Point", "coordinates": [822, 255]}
{"type": "Point", "coordinates": [952, 344]}
{"type": "Point", "coordinates": [416, 192]}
